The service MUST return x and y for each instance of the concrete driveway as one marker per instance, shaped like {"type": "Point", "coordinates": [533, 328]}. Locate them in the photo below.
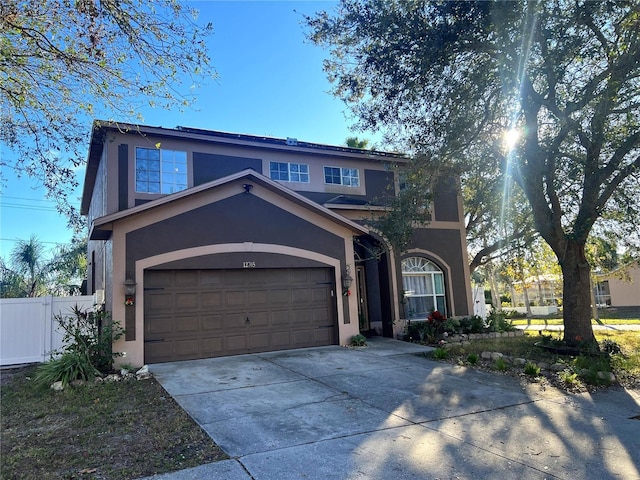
{"type": "Point", "coordinates": [383, 412]}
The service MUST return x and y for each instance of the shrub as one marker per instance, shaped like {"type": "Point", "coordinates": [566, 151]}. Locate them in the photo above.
{"type": "Point", "coordinates": [473, 324]}
{"type": "Point", "coordinates": [532, 370]}
{"type": "Point", "coordinates": [568, 377]}
{"type": "Point", "coordinates": [473, 358]}
{"type": "Point", "coordinates": [501, 364]}
{"type": "Point", "coordinates": [441, 353]}
{"type": "Point", "coordinates": [358, 340]}
{"type": "Point", "coordinates": [452, 325]}
{"type": "Point", "coordinates": [610, 347]}
{"type": "Point", "coordinates": [497, 322]}
{"type": "Point", "coordinates": [87, 352]}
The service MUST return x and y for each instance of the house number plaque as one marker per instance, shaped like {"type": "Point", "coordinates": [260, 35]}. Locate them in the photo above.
{"type": "Point", "coordinates": [248, 264]}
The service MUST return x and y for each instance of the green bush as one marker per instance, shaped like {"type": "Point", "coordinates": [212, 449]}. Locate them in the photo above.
{"type": "Point", "coordinates": [501, 364]}
{"type": "Point", "coordinates": [610, 347]}
{"type": "Point", "coordinates": [441, 353]}
{"type": "Point", "coordinates": [497, 322]}
{"type": "Point", "coordinates": [452, 325]}
{"type": "Point", "coordinates": [473, 358]}
{"type": "Point", "coordinates": [473, 324]}
{"type": "Point", "coordinates": [87, 352]}
{"type": "Point", "coordinates": [568, 377]}
{"type": "Point", "coordinates": [358, 340]}
{"type": "Point", "coordinates": [66, 368]}
{"type": "Point", "coordinates": [532, 370]}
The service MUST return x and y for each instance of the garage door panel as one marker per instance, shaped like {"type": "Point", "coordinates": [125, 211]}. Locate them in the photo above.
{"type": "Point", "coordinates": [286, 308]}
{"type": "Point", "coordinates": [303, 338]}
{"type": "Point", "coordinates": [159, 326]}
{"type": "Point", "coordinates": [209, 300]}
{"type": "Point", "coordinates": [279, 297]}
{"type": "Point", "coordinates": [186, 324]}
{"type": "Point", "coordinates": [258, 341]}
{"type": "Point", "coordinates": [161, 302]}
{"type": "Point", "coordinates": [211, 322]}
{"type": "Point", "coordinates": [258, 297]}
{"type": "Point", "coordinates": [187, 301]}
{"type": "Point", "coordinates": [280, 339]}
{"type": "Point", "coordinates": [280, 317]}
{"type": "Point", "coordinates": [212, 346]}
{"type": "Point", "coordinates": [187, 348]}
{"type": "Point", "coordinates": [236, 298]}
{"type": "Point", "coordinates": [301, 295]}
{"type": "Point", "coordinates": [186, 278]}
{"type": "Point", "coordinates": [258, 319]}
{"type": "Point", "coordinates": [236, 342]}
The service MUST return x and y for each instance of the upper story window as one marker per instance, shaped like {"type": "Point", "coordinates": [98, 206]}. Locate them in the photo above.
{"type": "Point", "coordinates": [160, 171]}
{"type": "Point", "coordinates": [342, 176]}
{"type": "Point", "coordinates": [423, 284]}
{"type": "Point", "coordinates": [289, 172]}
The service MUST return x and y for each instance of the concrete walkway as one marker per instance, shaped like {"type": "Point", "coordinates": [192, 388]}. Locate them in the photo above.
{"type": "Point", "coordinates": [383, 412]}
{"type": "Point", "coordinates": [613, 328]}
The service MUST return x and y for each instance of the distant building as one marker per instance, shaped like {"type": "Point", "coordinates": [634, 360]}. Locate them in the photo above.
{"type": "Point", "coordinates": [620, 287]}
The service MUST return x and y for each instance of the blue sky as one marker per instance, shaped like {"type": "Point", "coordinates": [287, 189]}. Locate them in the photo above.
{"type": "Point", "coordinates": [270, 83]}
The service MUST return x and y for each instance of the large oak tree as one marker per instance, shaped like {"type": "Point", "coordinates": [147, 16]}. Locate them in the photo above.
{"type": "Point", "coordinates": [64, 62]}
{"type": "Point", "coordinates": [451, 78]}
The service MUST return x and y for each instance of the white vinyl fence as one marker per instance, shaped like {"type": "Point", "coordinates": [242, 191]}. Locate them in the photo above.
{"type": "Point", "coordinates": [29, 330]}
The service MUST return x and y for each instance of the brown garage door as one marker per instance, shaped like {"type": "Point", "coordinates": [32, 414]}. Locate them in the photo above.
{"type": "Point", "coordinates": [192, 314]}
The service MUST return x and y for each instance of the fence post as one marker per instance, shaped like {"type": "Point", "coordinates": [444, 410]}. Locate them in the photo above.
{"type": "Point", "coordinates": [48, 327]}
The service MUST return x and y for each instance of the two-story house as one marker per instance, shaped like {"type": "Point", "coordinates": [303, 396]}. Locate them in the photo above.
{"type": "Point", "coordinates": [205, 243]}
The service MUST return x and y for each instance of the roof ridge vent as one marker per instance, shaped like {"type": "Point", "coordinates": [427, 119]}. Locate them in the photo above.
{"type": "Point", "coordinates": [292, 141]}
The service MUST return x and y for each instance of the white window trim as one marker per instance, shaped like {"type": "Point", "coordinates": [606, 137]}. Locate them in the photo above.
{"type": "Point", "coordinates": [307, 173]}
{"type": "Point", "coordinates": [342, 176]}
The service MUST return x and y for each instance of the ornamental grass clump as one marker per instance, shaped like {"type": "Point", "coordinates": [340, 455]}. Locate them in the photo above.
{"type": "Point", "coordinates": [87, 352]}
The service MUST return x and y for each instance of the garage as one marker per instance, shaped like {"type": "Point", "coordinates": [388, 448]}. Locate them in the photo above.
{"type": "Point", "coordinates": [192, 314]}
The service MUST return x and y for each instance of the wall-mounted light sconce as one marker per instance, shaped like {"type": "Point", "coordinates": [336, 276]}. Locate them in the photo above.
{"type": "Point", "coordinates": [347, 280]}
{"type": "Point", "coordinates": [129, 292]}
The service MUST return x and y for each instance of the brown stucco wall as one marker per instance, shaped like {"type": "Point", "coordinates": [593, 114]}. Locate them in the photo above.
{"type": "Point", "coordinates": [240, 218]}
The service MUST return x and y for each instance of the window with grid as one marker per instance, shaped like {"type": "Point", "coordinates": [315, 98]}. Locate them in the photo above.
{"type": "Point", "coordinates": [423, 284]}
{"type": "Point", "coordinates": [342, 176]}
{"type": "Point", "coordinates": [289, 172]}
{"type": "Point", "coordinates": [160, 171]}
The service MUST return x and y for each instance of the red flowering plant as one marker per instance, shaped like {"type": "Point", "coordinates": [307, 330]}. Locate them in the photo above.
{"type": "Point", "coordinates": [436, 322]}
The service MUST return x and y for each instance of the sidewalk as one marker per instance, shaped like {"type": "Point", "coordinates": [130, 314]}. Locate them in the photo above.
{"type": "Point", "coordinates": [620, 328]}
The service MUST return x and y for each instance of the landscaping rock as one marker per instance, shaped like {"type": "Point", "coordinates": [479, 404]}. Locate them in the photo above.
{"type": "Point", "coordinates": [496, 355]}
{"type": "Point", "coordinates": [143, 373]}
{"type": "Point", "coordinates": [485, 355]}
{"type": "Point", "coordinates": [113, 377]}
{"type": "Point", "coordinates": [57, 386]}
{"type": "Point", "coordinates": [543, 365]}
{"type": "Point", "coordinates": [519, 361]}
{"type": "Point", "coordinates": [557, 367]}
{"type": "Point", "coordinates": [609, 376]}
{"type": "Point", "coordinates": [98, 380]}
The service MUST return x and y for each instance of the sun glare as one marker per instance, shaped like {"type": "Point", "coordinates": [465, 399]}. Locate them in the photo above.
{"type": "Point", "coordinates": [510, 139]}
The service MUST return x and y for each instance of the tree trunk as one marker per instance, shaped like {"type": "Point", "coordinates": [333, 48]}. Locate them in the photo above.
{"type": "Point", "coordinates": [576, 274]}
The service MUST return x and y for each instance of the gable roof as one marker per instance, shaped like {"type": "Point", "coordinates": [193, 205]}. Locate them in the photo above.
{"type": "Point", "coordinates": [196, 135]}
{"type": "Point", "coordinates": [101, 227]}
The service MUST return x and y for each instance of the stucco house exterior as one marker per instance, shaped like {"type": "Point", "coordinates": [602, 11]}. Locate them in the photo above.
{"type": "Point", "coordinates": [619, 288]}
{"type": "Point", "coordinates": [206, 243]}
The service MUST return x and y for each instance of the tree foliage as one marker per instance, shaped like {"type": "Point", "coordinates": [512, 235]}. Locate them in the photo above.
{"type": "Point", "coordinates": [64, 62]}
{"type": "Point", "coordinates": [30, 273]}
{"type": "Point", "coordinates": [452, 78]}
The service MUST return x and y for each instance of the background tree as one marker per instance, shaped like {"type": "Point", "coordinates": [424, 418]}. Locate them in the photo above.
{"type": "Point", "coordinates": [451, 78]}
{"type": "Point", "coordinates": [29, 272]}
{"type": "Point", "coordinates": [26, 274]}
{"type": "Point", "coordinates": [63, 63]}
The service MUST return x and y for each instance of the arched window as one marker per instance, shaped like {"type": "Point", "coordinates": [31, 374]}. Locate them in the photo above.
{"type": "Point", "coordinates": [423, 284]}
